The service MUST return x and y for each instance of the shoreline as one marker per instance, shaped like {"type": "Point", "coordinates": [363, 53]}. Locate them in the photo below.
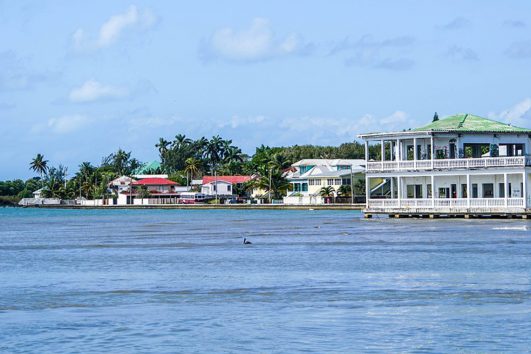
{"type": "Point", "coordinates": [209, 207]}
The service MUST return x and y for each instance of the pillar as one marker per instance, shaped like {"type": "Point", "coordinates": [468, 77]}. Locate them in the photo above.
{"type": "Point", "coordinates": [415, 157]}
{"type": "Point", "coordinates": [433, 191]}
{"type": "Point", "coordinates": [432, 152]}
{"type": "Point", "coordinates": [398, 157]}
{"type": "Point", "coordinates": [366, 150]}
{"type": "Point", "coordinates": [468, 190]}
{"type": "Point", "coordinates": [399, 187]}
{"type": "Point", "coordinates": [524, 184]}
{"type": "Point", "coordinates": [505, 189]}
{"type": "Point", "coordinates": [392, 188]}
{"type": "Point", "coordinates": [382, 147]}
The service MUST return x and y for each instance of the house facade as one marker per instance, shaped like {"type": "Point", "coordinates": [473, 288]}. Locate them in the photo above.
{"type": "Point", "coordinates": [152, 190]}
{"type": "Point", "coordinates": [460, 164]}
{"type": "Point", "coordinates": [222, 186]}
{"type": "Point", "coordinates": [307, 178]}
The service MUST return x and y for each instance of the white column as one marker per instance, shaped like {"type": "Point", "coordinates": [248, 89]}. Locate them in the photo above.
{"type": "Point", "coordinates": [524, 184]}
{"type": "Point", "coordinates": [398, 157]}
{"type": "Point", "coordinates": [505, 189]}
{"type": "Point", "coordinates": [433, 191]}
{"type": "Point", "coordinates": [431, 152]}
{"type": "Point", "coordinates": [468, 190]}
{"type": "Point", "coordinates": [367, 191]}
{"type": "Point", "coordinates": [383, 150]}
{"type": "Point", "coordinates": [415, 157]}
{"type": "Point", "coordinates": [366, 150]}
{"type": "Point", "coordinates": [399, 186]}
{"type": "Point", "coordinates": [392, 188]}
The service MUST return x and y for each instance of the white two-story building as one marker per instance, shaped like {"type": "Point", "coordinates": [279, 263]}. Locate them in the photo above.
{"type": "Point", "coordinates": [460, 164]}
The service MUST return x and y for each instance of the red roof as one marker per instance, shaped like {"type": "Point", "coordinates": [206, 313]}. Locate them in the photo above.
{"type": "Point", "coordinates": [155, 181]}
{"type": "Point", "coordinates": [228, 179]}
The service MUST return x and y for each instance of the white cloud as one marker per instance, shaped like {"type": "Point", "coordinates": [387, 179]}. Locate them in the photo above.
{"type": "Point", "coordinates": [93, 90]}
{"type": "Point", "coordinates": [66, 124]}
{"type": "Point", "coordinates": [237, 121]}
{"type": "Point", "coordinates": [518, 115]}
{"type": "Point", "coordinates": [113, 28]}
{"type": "Point", "coordinates": [321, 130]}
{"type": "Point", "coordinates": [258, 42]}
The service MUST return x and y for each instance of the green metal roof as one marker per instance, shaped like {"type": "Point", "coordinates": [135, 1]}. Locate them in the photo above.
{"type": "Point", "coordinates": [472, 124]}
{"type": "Point", "coordinates": [147, 167]}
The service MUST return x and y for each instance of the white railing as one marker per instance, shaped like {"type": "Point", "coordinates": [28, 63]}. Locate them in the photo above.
{"type": "Point", "coordinates": [515, 161]}
{"type": "Point", "coordinates": [446, 204]}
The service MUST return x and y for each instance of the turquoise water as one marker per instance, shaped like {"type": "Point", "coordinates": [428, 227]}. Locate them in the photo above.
{"type": "Point", "coordinates": [316, 281]}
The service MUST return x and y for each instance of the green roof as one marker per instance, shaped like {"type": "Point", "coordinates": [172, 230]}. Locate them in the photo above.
{"type": "Point", "coordinates": [147, 167]}
{"type": "Point", "coordinates": [472, 124]}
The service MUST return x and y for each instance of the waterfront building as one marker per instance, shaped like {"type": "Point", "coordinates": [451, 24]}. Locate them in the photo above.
{"type": "Point", "coordinates": [307, 178]}
{"type": "Point", "coordinates": [461, 164]}
{"type": "Point", "coordinates": [152, 190]}
{"type": "Point", "coordinates": [223, 186]}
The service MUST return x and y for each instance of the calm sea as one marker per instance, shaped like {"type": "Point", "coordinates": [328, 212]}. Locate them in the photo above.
{"type": "Point", "coordinates": [161, 281]}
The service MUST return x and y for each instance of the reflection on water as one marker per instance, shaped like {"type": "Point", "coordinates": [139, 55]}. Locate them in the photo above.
{"type": "Point", "coordinates": [182, 281]}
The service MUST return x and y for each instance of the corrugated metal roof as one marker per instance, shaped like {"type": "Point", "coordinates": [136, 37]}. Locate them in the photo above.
{"type": "Point", "coordinates": [470, 123]}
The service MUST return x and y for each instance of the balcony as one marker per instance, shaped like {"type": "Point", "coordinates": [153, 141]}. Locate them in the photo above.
{"type": "Point", "coordinates": [454, 205]}
{"type": "Point", "coordinates": [448, 164]}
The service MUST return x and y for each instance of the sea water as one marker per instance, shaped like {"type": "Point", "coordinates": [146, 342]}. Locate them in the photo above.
{"type": "Point", "coordinates": [161, 281]}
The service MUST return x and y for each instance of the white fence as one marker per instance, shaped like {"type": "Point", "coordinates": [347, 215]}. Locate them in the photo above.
{"type": "Point", "coordinates": [382, 166]}
{"type": "Point", "coordinates": [442, 204]}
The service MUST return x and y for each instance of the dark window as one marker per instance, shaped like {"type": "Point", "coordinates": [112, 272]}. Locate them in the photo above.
{"type": "Point", "coordinates": [488, 190]}
{"type": "Point", "coordinates": [474, 190]}
{"type": "Point", "coordinates": [501, 190]}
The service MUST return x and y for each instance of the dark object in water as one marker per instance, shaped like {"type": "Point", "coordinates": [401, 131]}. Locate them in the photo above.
{"type": "Point", "coordinates": [245, 242]}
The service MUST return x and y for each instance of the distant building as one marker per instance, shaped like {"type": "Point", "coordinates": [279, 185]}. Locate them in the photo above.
{"type": "Point", "coordinates": [460, 164]}
{"type": "Point", "coordinates": [307, 178]}
{"type": "Point", "coordinates": [222, 186]}
{"type": "Point", "coordinates": [159, 190]}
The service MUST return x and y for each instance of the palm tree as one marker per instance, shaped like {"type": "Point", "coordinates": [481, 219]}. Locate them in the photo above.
{"type": "Point", "coordinates": [162, 145]}
{"type": "Point", "coordinates": [327, 192]}
{"type": "Point", "coordinates": [39, 165]}
{"type": "Point", "coordinates": [192, 166]}
{"type": "Point", "coordinates": [180, 141]}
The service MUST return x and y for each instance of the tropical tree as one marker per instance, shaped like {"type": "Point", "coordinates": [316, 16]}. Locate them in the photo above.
{"type": "Point", "coordinates": [344, 190]}
{"type": "Point", "coordinates": [327, 192]}
{"type": "Point", "coordinates": [39, 165]}
{"type": "Point", "coordinates": [192, 167]}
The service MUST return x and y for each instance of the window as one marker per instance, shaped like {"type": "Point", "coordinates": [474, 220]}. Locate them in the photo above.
{"type": "Point", "coordinates": [464, 192]}
{"type": "Point", "coordinates": [488, 190]}
{"type": "Point", "coordinates": [418, 191]}
{"type": "Point", "coordinates": [474, 190]}
{"type": "Point", "coordinates": [444, 192]}
{"type": "Point", "coordinates": [337, 181]}
{"type": "Point", "coordinates": [345, 181]}
{"type": "Point", "coordinates": [428, 188]}
{"type": "Point", "coordinates": [330, 181]}
{"type": "Point", "coordinates": [229, 187]}
{"type": "Point", "coordinates": [411, 191]}
{"type": "Point", "coordinates": [501, 190]}
{"type": "Point", "coordinates": [304, 187]}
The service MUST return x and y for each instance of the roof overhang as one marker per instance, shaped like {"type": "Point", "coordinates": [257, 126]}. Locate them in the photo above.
{"type": "Point", "coordinates": [395, 135]}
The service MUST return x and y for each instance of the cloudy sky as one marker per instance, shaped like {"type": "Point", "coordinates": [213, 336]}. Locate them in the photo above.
{"type": "Point", "coordinates": [79, 80]}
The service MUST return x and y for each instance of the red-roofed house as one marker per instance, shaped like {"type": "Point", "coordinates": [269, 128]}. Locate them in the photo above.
{"type": "Point", "coordinates": [222, 186]}
{"type": "Point", "coordinates": [161, 191]}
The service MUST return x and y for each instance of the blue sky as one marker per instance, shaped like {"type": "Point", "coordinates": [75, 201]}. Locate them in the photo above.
{"type": "Point", "coordinates": [78, 80]}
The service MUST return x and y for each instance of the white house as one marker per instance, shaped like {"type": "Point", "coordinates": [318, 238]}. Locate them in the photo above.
{"type": "Point", "coordinates": [460, 164]}
{"type": "Point", "coordinates": [307, 177]}
{"type": "Point", "coordinates": [222, 186]}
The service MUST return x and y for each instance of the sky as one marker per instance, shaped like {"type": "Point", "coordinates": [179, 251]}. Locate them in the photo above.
{"type": "Point", "coordinates": [80, 79]}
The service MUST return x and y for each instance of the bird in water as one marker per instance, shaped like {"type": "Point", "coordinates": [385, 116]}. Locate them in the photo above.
{"type": "Point", "coordinates": [246, 242]}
